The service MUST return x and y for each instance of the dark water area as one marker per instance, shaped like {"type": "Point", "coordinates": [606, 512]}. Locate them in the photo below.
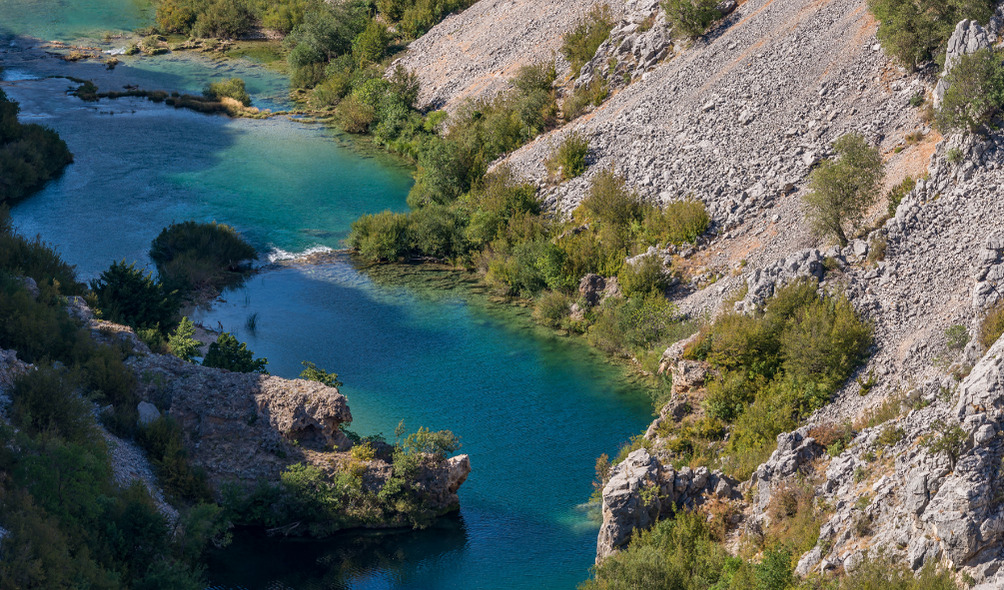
{"type": "Point", "coordinates": [533, 409]}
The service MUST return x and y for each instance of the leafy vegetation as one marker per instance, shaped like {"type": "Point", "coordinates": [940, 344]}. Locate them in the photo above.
{"type": "Point", "coordinates": [309, 501]}
{"type": "Point", "coordinates": [776, 366]}
{"type": "Point", "coordinates": [127, 295]}
{"type": "Point", "coordinates": [580, 45]}
{"type": "Point", "coordinates": [311, 372]}
{"type": "Point", "coordinates": [30, 155]}
{"type": "Point", "coordinates": [917, 31]}
{"type": "Point", "coordinates": [193, 256]}
{"type": "Point", "coordinates": [992, 326]}
{"type": "Point", "coordinates": [691, 18]}
{"type": "Point", "coordinates": [227, 353]}
{"type": "Point", "coordinates": [68, 524]}
{"type": "Point", "coordinates": [569, 159]}
{"type": "Point", "coordinates": [975, 93]}
{"type": "Point", "coordinates": [232, 88]}
{"type": "Point", "coordinates": [843, 189]}
{"type": "Point", "coordinates": [682, 554]}
{"type": "Point", "coordinates": [182, 342]}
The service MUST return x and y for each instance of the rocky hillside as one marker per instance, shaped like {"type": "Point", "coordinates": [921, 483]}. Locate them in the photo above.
{"type": "Point", "coordinates": [738, 119]}
{"type": "Point", "coordinates": [474, 53]}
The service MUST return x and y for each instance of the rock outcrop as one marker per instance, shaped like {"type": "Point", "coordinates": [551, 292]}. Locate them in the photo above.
{"type": "Point", "coordinates": [641, 490]}
{"type": "Point", "coordinates": [247, 428]}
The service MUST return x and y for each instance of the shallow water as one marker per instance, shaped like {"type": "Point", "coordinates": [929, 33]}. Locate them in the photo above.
{"type": "Point", "coordinates": [533, 410]}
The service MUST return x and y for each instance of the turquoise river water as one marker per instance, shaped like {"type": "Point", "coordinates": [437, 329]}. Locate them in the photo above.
{"type": "Point", "coordinates": [533, 410]}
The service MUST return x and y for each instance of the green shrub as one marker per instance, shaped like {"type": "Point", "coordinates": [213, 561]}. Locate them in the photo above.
{"type": "Point", "coordinates": [36, 328]}
{"type": "Point", "coordinates": [163, 441]}
{"type": "Point", "coordinates": [380, 237]}
{"type": "Point", "coordinates": [641, 322]}
{"type": "Point", "coordinates": [956, 337]}
{"type": "Point", "coordinates": [883, 573]}
{"type": "Point", "coordinates": [438, 444]}
{"type": "Point", "coordinates": [126, 295]}
{"type": "Point", "coordinates": [916, 31]}
{"type": "Point", "coordinates": [194, 256]}
{"type": "Point", "coordinates": [227, 353]}
{"type": "Point", "coordinates": [45, 400]}
{"type": "Point", "coordinates": [182, 342]}
{"type": "Point", "coordinates": [371, 43]}
{"type": "Point", "coordinates": [592, 94]}
{"type": "Point", "coordinates": [975, 93]}
{"type": "Point", "coordinates": [993, 326]}
{"type": "Point", "coordinates": [676, 223]}
{"type": "Point", "coordinates": [569, 159]}
{"type": "Point", "coordinates": [177, 16]}
{"type": "Point", "coordinates": [645, 276]}
{"type": "Point", "coordinates": [552, 309]}
{"type": "Point", "coordinates": [497, 199]}
{"type": "Point", "coordinates": [30, 155]}
{"type": "Point", "coordinates": [896, 193]}
{"type": "Point", "coordinates": [21, 257]}
{"type": "Point", "coordinates": [232, 88]}
{"type": "Point", "coordinates": [691, 18]}
{"type": "Point", "coordinates": [435, 231]}
{"type": "Point", "coordinates": [354, 116]}
{"type": "Point", "coordinates": [611, 202]}
{"type": "Point", "coordinates": [580, 45]}
{"type": "Point", "coordinates": [225, 19]}
{"type": "Point", "coordinates": [311, 372]}
{"type": "Point", "coordinates": [842, 190]}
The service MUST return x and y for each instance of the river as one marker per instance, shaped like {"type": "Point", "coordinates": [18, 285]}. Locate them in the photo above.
{"type": "Point", "coordinates": [532, 409]}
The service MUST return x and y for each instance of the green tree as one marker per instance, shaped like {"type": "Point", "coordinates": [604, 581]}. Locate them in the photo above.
{"type": "Point", "coordinates": [182, 342]}
{"type": "Point", "coordinates": [127, 295]}
{"type": "Point", "coordinates": [311, 372]}
{"type": "Point", "coordinates": [975, 93]}
{"type": "Point", "coordinates": [916, 31]}
{"type": "Point", "coordinates": [227, 353]}
{"type": "Point", "coordinates": [691, 18]}
{"type": "Point", "coordinates": [371, 43]}
{"type": "Point", "coordinates": [843, 189]}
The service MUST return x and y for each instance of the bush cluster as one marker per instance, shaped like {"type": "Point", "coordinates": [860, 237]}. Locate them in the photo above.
{"type": "Point", "coordinates": [975, 93]}
{"type": "Point", "coordinates": [68, 523]}
{"type": "Point", "coordinates": [569, 159]}
{"type": "Point", "coordinates": [844, 188]}
{"type": "Point", "coordinates": [580, 45]}
{"type": "Point", "coordinates": [776, 367]}
{"type": "Point", "coordinates": [691, 18]}
{"type": "Point", "coordinates": [309, 501]}
{"type": "Point", "coordinates": [193, 256]}
{"type": "Point", "coordinates": [917, 31]}
{"type": "Point", "coordinates": [232, 88]}
{"type": "Point", "coordinates": [30, 155]}
{"type": "Point", "coordinates": [992, 326]}
{"type": "Point", "coordinates": [229, 354]}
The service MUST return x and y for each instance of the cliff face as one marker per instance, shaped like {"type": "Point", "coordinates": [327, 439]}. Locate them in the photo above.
{"type": "Point", "coordinates": [248, 428]}
{"type": "Point", "coordinates": [738, 119]}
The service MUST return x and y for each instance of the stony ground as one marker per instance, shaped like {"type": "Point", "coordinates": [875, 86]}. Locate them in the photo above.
{"type": "Point", "coordinates": [737, 120]}
{"type": "Point", "coordinates": [474, 53]}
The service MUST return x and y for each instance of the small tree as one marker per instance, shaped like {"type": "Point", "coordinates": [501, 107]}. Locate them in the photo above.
{"type": "Point", "coordinates": [691, 18]}
{"type": "Point", "coordinates": [569, 158]}
{"type": "Point", "coordinates": [311, 372]}
{"type": "Point", "coordinates": [227, 353]}
{"type": "Point", "coordinates": [975, 93]}
{"type": "Point", "coordinates": [182, 343]}
{"type": "Point", "coordinates": [842, 189]}
{"type": "Point", "coordinates": [127, 295]}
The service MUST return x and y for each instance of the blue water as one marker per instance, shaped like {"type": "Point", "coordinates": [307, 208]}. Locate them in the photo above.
{"type": "Point", "coordinates": [532, 409]}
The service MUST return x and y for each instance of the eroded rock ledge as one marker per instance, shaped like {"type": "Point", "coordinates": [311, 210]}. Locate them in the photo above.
{"type": "Point", "coordinates": [247, 428]}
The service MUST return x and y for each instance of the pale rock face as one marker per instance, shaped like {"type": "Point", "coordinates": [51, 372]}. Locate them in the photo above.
{"type": "Point", "coordinates": [968, 38]}
{"type": "Point", "coordinates": [641, 490]}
